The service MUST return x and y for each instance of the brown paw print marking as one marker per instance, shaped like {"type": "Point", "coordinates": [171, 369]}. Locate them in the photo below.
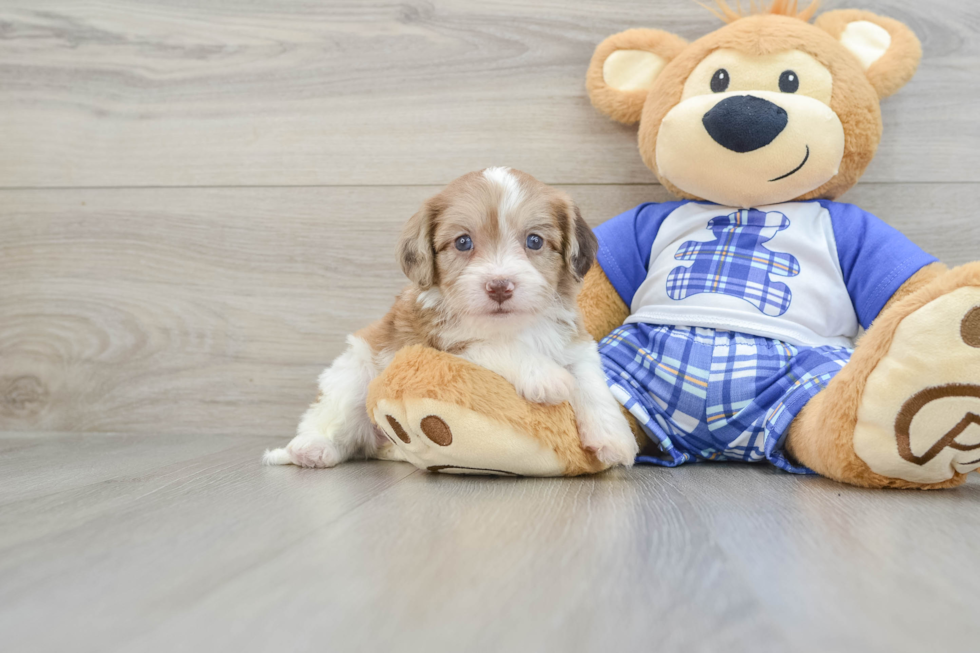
{"type": "Point", "coordinates": [437, 430]}
{"type": "Point", "coordinates": [397, 428]}
{"type": "Point", "coordinates": [917, 402]}
{"type": "Point", "coordinates": [970, 334]}
{"type": "Point", "coordinates": [970, 327]}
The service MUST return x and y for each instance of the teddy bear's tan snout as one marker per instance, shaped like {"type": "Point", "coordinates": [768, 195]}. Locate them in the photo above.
{"type": "Point", "coordinates": [746, 149]}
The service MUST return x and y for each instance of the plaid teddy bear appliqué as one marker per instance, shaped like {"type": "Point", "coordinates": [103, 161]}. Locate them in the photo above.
{"type": "Point", "coordinates": [736, 263]}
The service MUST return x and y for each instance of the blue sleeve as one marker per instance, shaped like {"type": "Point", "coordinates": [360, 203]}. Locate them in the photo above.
{"type": "Point", "coordinates": [876, 259]}
{"type": "Point", "coordinates": [625, 243]}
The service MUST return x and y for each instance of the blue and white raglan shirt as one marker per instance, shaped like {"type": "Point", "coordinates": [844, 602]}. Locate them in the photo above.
{"type": "Point", "coordinates": [806, 273]}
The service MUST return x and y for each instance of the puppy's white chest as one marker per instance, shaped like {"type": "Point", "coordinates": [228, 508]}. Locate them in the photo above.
{"type": "Point", "coordinates": [508, 355]}
{"type": "Point", "coordinates": [499, 356]}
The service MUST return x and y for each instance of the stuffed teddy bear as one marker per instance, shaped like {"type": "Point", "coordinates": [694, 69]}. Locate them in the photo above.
{"type": "Point", "coordinates": [727, 319]}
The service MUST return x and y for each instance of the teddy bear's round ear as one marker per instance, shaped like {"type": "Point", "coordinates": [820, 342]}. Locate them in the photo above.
{"type": "Point", "coordinates": [624, 68]}
{"type": "Point", "coordinates": [888, 50]}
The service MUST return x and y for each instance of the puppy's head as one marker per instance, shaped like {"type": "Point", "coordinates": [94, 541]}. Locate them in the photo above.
{"type": "Point", "coordinates": [498, 244]}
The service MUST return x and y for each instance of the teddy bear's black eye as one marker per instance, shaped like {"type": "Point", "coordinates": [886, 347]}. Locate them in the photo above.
{"type": "Point", "coordinates": [789, 82]}
{"type": "Point", "coordinates": [464, 243]}
{"type": "Point", "coordinates": [720, 80]}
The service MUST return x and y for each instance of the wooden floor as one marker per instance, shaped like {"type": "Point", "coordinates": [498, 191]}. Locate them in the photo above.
{"type": "Point", "coordinates": [146, 543]}
{"type": "Point", "coordinates": [199, 200]}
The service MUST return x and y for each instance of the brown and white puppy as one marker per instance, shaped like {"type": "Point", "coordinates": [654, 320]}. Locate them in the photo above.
{"type": "Point", "coordinates": [496, 261]}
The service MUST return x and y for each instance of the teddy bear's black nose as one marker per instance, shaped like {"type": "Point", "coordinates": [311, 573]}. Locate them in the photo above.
{"type": "Point", "coordinates": [743, 123]}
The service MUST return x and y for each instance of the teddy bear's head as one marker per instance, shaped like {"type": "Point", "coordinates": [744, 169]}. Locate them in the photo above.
{"type": "Point", "coordinates": [767, 109]}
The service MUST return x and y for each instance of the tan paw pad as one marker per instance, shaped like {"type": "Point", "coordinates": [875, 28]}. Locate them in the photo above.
{"type": "Point", "coordinates": [919, 418]}
{"type": "Point", "coordinates": [445, 438]}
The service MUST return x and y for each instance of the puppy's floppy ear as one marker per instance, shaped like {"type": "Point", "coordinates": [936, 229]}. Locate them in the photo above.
{"type": "Point", "coordinates": [888, 50]}
{"type": "Point", "coordinates": [580, 244]}
{"type": "Point", "coordinates": [416, 251]}
{"type": "Point", "coordinates": [624, 68]}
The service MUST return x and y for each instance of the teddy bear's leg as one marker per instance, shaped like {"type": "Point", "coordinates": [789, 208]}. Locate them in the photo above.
{"type": "Point", "coordinates": [905, 411]}
{"type": "Point", "coordinates": [444, 414]}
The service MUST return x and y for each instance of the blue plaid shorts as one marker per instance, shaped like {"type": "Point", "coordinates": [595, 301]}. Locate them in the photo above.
{"type": "Point", "coordinates": [704, 394]}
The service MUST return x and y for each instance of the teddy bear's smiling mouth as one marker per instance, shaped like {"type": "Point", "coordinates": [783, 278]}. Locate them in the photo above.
{"type": "Point", "coordinates": [797, 168]}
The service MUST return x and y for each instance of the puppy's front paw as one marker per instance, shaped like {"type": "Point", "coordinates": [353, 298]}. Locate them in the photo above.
{"type": "Point", "coordinates": [610, 439]}
{"type": "Point", "coordinates": [551, 387]}
{"type": "Point", "coordinates": [616, 452]}
{"type": "Point", "coordinates": [313, 452]}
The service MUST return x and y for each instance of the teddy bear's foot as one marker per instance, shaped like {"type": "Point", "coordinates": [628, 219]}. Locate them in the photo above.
{"type": "Point", "coordinates": [905, 412]}
{"type": "Point", "coordinates": [440, 437]}
{"type": "Point", "coordinates": [444, 414]}
{"type": "Point", "coordinates": [919, 419]}
{"type": "Point", "coordinates": [390, 452]}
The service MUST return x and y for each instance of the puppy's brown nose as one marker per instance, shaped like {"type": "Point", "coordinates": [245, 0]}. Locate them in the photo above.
{"type": "Point", "coordinates": [500, 290]}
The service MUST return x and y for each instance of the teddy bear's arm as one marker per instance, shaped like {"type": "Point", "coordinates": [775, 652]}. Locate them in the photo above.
{"type": "Point", "coordinates": [602, 308]}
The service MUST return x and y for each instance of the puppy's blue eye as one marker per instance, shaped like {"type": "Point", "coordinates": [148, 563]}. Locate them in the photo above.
{"type": "Point", "coordinates": [464, 243]}
{"type": "Point", "coordinates": [535, 241]}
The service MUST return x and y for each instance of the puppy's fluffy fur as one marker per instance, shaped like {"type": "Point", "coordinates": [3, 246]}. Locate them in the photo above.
{"type": "Point", "coordinates": [496, 261]}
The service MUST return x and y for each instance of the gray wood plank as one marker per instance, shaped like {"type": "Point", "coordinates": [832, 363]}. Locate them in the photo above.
{"type": "Point", "coordinates": [130, 93]}
{"type": "Point", "coordinates": [113, 555]}
{"type": "Point", "coordinates": [452, 564]}
{"type": "Point", "coordinates": [854, 570]}
{"type": "Point", "coordinates": [223, 554]}
{"type": "Point", "coordinates": [34, 465]}
{"type": "Point", "coordinates": [212, 311]}
{"type": "Point", "coordinates": [510, 564]}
